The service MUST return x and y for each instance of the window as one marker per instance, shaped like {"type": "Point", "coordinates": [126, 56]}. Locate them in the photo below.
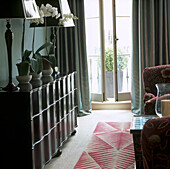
{"type": "Point", "coordinates": [97, 12]}
{"type": "Point", "coordinates": [93, 44]}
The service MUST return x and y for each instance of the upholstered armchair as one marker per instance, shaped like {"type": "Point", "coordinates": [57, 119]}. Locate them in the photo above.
{"type": "Point", "coordinates": [155, 143]}
{"type": "Point", "coordinates": [151, 76]}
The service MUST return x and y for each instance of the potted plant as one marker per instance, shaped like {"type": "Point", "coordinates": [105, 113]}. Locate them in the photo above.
{"type": "Point", "coordinates": [24, 65]}
{"type": "Point", "coordinates": [23, 70]}
{"type": "Point", "coordinates": [122, 63]}
{"type": "Point", "coordinates": [48, 60]}
{"type": "Point", "coordinates": [37, 64]}
{"type": "Point", "coordinates": [44, 12]}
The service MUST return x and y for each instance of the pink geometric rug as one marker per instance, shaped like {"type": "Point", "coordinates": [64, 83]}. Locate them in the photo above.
{"type": "Point", "coordinates": [111, 147]}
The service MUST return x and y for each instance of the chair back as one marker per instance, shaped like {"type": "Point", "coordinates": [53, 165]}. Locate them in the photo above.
{"type": "Point", "coordinates": [154, 75]}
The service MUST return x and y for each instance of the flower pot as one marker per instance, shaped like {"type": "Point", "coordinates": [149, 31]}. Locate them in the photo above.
{"type": "Point", "coordinates": [110, 83]}
{"type": "Point", "coordinates": [36, 79]}
{"type": "Point", "coordinates": [47, 72]}
{"type": "Point", "coordinates": [47, 79]}
{"type": "Point", "coordinates": [24, 84]}
{"type": "Point", "coordinates": [23, 68]}
{"type": "Point", "coordinates": [46, 63]}
{"type": "Point", "coordinates": [23, 79]}
{"type": "Point", "coordinates": [36, 75]}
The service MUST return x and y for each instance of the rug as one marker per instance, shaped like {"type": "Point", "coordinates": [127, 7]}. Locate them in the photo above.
{"type": "Point", "coordinates": [111, 147]}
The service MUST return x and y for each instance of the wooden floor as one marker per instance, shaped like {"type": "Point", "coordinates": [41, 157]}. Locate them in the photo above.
{"type": "Point", "coordinates": [73, 148]}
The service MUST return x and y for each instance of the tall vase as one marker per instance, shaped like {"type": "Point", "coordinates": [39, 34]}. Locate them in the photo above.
{"type": "Point", "coordinates": [36, 79]}
{"type": "Point", "coordinates": [46, 78]}
{"type": "Point", "coordinates": [163, 99]}
{"type": "Point", "coordinates": [47, 71]}
{"type": "Point", "coordinates": [24, 84]}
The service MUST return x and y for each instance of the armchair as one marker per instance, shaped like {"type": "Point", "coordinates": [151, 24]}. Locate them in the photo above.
{"type": "Point", "coordinates": [151, 76]}
{"type": "Point", "coordinates": [155, 143]}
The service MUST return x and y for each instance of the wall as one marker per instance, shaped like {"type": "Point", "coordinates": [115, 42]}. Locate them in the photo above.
{"type": "Point", "coordinates": [17, 29]}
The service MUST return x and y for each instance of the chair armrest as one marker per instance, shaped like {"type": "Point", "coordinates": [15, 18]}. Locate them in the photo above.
{"type": "Point", "coordinates": [148, 96]}
{"type": "Point", "coordinates": [155, 143]}
{"type": "Point", "coordinates": [149, 107]}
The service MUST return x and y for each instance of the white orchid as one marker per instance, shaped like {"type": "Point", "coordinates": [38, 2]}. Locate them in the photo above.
{"type": "Point", "coordinates": [57, 16]}
{"type": "Point", "coordinates": [43, 8]}
{"type": "Point", "coordinates": [49, 8]}
{"type": "Point", "coordinates": [41, 13]}
{"type": "Point", "coordinates": [66, 17]}
{"type": "Point", "coordinates": [41, 20]}
{"type": "Point", "coordinates": [46, 11]}
{"type": "Point", "coordinates": [55, 12]}
{"type": "Point", "coordinates": [50, 11]}
{"type": "Point", "coordinates": [75, 18]}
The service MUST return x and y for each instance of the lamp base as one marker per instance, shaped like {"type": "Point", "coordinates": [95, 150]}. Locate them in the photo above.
{"type": "Point", "coordinates": [10, 87]}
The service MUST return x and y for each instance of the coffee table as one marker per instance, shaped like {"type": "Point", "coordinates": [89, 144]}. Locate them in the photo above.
{"type": "Point", "coordinates": [136, 127]}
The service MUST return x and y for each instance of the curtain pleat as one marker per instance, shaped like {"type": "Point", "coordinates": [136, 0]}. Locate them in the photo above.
{"type": "Point", "coordinates": [71, 55]}
{"type": "Point", "coordinates": [150, 43]}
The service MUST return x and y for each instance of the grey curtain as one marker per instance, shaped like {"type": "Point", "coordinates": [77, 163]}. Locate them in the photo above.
{"type": "Point", "coordinates": [150, 42]}
{"type": "Point", "coordinates": [71, 55]}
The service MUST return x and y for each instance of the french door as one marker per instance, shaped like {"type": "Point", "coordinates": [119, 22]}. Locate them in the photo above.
{"type": "Point", "coordinates": [108, 33]}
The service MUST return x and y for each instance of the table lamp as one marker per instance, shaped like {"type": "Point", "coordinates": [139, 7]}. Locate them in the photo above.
{"type": "Point", "coordinates": [11, 9]}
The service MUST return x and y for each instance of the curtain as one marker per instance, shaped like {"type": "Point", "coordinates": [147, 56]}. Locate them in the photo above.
{"type": "Point", "coordinates": [150, 43]}
{"type": "Point", "coordinates": [71, 55]}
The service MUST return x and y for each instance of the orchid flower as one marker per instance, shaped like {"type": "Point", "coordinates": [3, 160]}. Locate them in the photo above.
{"type": "Point", "coordinates": [50, 11]}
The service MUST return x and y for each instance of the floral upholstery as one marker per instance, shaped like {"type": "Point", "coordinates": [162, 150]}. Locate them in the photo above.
{"type": "Point", "coordinates": [149, 106]}
{"type": "Point", "coordinates": [152, 76]}
{"type": "Point", "coordinates": [155, 143]}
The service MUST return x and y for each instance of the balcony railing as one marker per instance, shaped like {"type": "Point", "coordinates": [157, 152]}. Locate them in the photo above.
{"type": "Point", "coordinates": [96, 77]}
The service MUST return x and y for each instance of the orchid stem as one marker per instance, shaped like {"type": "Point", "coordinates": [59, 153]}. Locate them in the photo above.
{"type": "Point", "coordinates": [46, 34]}
{"type": "Point", "coordinates": [23, 37]}
{"type": "Point", "coordinates": [33, 40]}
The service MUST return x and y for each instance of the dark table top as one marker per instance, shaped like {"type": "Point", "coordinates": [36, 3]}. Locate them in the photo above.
{"type": "Point", "coordinates": [138, 122]}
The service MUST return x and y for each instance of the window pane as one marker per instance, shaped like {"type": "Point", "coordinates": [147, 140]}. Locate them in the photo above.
{"type": "Point", "coordinates": [123, 28]}
{"type": "Point", "coordinates": [108, 30]}
{"type": "Point", "coordinates": [93, 45]}
{"type": "Point", "coordinates": [91, 8]}
{"type": "Point", "coordinates": [93, 37]}
{"type": "Point", "coordinates": [123, 7]}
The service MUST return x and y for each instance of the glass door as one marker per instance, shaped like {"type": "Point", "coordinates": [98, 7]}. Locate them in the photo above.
{"type": "Point", "coordinates": [117, 27]}
{"type": "Point", "coordinates": [108, 33]}
{"type": "Point", "coordinates": [124, 34]}
{"type": "Point", "coordinates": [94, 48]}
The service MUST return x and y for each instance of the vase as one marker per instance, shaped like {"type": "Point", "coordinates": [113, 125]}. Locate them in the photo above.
{"type": "Point", "coordinates": [163, 99]}
{"type": "Point", "coordinates": [46, 75]}
{"type": "Point", "coordinates": [24, 84]}
{"type": "Point", "coordinates": [47, 68]}
{"type": "Point", "coordinates": [36, 79]}
{"type": "Point", "coordinates": [23, 68]}
{"type": "Point", "coordinates": [47, 72]}
{"type": "Point", "coordinates": [46, 62]}
{"type": "Point", "coordinates": [46, 79]}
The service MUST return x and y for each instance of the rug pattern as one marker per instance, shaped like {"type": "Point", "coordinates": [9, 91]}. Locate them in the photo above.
{"type": "Point", "coordinates": [111, 147]}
